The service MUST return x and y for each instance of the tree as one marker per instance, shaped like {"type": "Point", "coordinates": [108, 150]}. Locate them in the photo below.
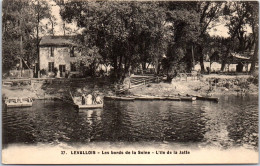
{"type": "Point", "coordinates": [125, 33]}
{"type": "Point", "coordinates": [209, 14]}
{"type": "Point", "coordinates": [185, 27]}
{"type": "Point", "coordinates": [243, 15]}
{"type": "Point", "coordinates": [254, 14]}
{"type": "Point", "coordinates": [20, 30]}
{"type": "Point", "coordinates": [197, 18]}
{"type": "Point", "coordinates": [41, 10]}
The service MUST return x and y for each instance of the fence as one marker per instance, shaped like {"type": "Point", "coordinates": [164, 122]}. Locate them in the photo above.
{"type": "Point", "coordinates": [194, 75]}
{"type": "Point", "coordinates": [28, 73]}
{"type": "Point", "coordinates": [143, 80]}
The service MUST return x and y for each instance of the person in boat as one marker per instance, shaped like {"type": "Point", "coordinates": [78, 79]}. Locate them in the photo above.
{"type": "Point", "coordinates": [94, 95]}
{"type": "Point", "coordinates": [19, 100]}
{"type": "Point", "coordinates": [83, 99]}
{"type": "Point", "coordinates": [98, 99]}
{"type": "Point", "coordinates": [89, 99]}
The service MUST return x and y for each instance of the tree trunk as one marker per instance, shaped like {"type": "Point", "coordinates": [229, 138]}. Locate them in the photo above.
{"type": "Point", "coordinates": [156, 64]}
{"type": "Point", "coordinates": [192, 54]}
{"type": "Point", "coordinates": [115, 67]}
{"type": "Point", "coordinates": [254, 58]}
{"type": "Point", "coordinates": [201, 59]}
{"type": "Point", "coordinates": [21, 42]}
{"type": "Point", "coordinates": [37, 28]}
{"type": "Point", "coordinates": [120, 62]}
{"type": "Point", "coordinates": [223, 64]}
{"type": "Point", "coordinates": [52, 27]}
{"type": "Point", "coordinates": [143, 67]}
{"type": "Point", "coordinates": [119, 67]}
{"type": "Point", "coordinates": [64, 28]}
{"type": "Point", "coordinates": [202, 64]}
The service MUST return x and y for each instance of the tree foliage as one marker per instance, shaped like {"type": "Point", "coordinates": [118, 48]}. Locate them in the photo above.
{"type": "Point", "coordinates": [21, 19]}
{"type": "Point", "coordinates": [126, 33]}
{"type": "Point", "coordinates": [131, 35]}
{"type": "Point", "coordinates": [242, 17]}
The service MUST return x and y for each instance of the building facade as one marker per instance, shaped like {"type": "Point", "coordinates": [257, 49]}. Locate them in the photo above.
{"type": "Point", "coordinates": [58, 53]}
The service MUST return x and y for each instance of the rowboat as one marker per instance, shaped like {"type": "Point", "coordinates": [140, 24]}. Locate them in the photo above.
{"type": "Point", "coordinates": [188, 98]}
{"type": "Point", "coordinates": [173, 98]}
{"type": "Point", "coordinates": [159, 98]}
{"type": "Point", "coordinates": [207, 98]}
{"type": "Point", "coordinates": [18, 102]}
{"type": "Point", "coordinates": [145, 98]}
{"type": "Point", "coordinates": [92, 106]}
{"type": "Point", "coordinates": [119, 98]}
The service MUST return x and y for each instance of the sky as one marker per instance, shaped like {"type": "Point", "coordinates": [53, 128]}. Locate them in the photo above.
{"type": "Point", "coordinates": [220, 30]}
{"type": "Point", "coordinates": [58, 29]}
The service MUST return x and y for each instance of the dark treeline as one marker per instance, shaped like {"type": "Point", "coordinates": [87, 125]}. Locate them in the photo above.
{"type": "Point", "coordinates": [172, 36]}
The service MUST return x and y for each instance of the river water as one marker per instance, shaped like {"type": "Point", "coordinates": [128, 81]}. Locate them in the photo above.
{"type": "Point", "coordinates": [233, 122]}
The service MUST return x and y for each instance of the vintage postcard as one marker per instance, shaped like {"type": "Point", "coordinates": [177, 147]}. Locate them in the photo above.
{"type": "Point", "coordinates": [129, 82]}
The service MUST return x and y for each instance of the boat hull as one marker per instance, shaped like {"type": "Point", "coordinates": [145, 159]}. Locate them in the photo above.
{"type": "Point", "coordinates": [93, 106]}
{"type": "Point", "coordinates": [17, 105]}
{"type": "Point", "coordinates": [119, 98]}
{"type": "Point", "coordinates": [173, 99]}
{"type": "Point", "coordinates": [215, 99]}
{"type": "Point", "coordinates": [188, 98]}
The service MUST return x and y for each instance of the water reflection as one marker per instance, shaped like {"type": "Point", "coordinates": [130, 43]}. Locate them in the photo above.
{"type": "Point", "coordinates": [232, 122]}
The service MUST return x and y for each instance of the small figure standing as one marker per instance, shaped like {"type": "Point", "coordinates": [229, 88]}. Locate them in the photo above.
{"type": "Point", "coordinates": [94, 94]}
{"type": "Point", "coordinates": [19, 100]}
{"type": "Point", "coordinates": [98, 99]}
{"type": "Point", "coordinates": [89, 99]}
{"type": "Point", "coordinates": [83, 100]}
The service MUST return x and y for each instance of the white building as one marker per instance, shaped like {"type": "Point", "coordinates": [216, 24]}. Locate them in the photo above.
{"type": "Point", "coordinates": [58, 52]}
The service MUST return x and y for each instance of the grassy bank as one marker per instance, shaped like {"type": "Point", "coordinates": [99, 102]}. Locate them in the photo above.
{"type": "Point", "coordinates": [209, 85]}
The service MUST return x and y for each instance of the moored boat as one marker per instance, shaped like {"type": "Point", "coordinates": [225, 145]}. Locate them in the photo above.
{"type": "Point", "coordinates": [92, 106]}
{"type": "Point", "coordinates": [119, 98]}
{"type": "Point", "coordinates": [173, 98]}
{"type": "Point", "coordinates": [145, 98]}
{"type": "Point", "coordinates": [207, 98]}
{"type": "Point", "coordinates": [18, 102]}
{"type": "Point", "coordinates": [159, 98]}
{"type": "Point", "coordinates": [188, 98]}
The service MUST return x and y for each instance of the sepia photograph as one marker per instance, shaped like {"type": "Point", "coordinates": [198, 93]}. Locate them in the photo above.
{"type": "Point", "coordinates": [130, 82]}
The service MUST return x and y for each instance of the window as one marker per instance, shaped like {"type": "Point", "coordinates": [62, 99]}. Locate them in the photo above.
{"type": "Point", "coordinates": [73, 66]}
{"type": "Point", "coordinates": [72, 52]}
{"type": "Point", "coordinates": [62, 68]}
{"type": "Point", "coordinates": [51, 66]}
{"type": "Point", "coordinates": [52, 52]}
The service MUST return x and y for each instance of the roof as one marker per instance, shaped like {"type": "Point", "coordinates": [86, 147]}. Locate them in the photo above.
{"type": "Point", "coordinates": [58, 41]}
{"type": "Point", "coordinates": [238, 56]}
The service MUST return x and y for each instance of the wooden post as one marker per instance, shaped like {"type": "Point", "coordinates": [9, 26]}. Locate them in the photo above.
{"type": "Point", "coordinates": [21, 43]}
{"type": "Point", "coordinates": [192, 53]}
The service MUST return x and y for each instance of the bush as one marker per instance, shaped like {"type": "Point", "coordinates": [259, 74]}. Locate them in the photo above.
{"type": "Point", "coordinates": [43, 72]}
{"type": "Point", "coordinates": [253, 79]}
{"type": "Point", "coordinates": [55, 71]}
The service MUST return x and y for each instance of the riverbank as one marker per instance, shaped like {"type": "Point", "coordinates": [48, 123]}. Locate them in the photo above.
{"type": "Point", "coordinates": [209, 85]}
{"type": "Point", "coordinates": [59, 88]}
